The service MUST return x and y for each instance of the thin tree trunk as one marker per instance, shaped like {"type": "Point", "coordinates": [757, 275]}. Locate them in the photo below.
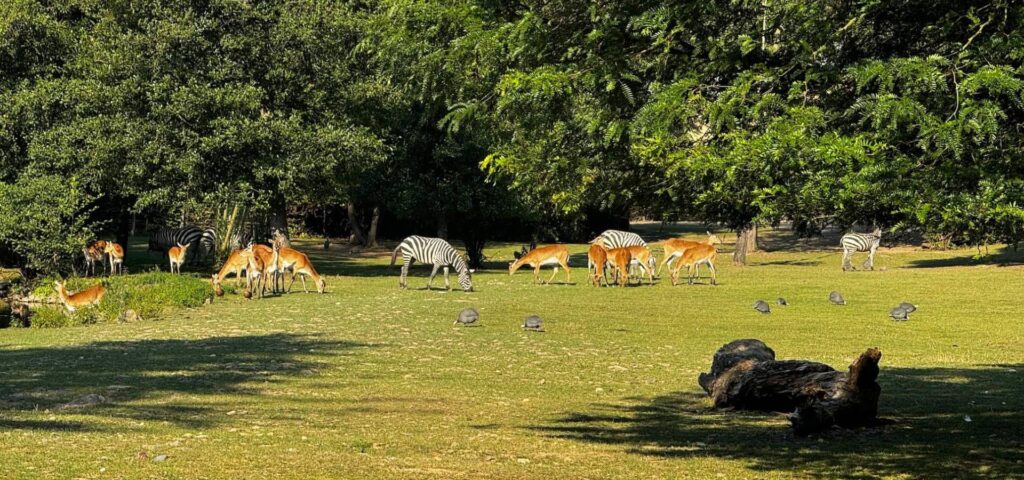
{"type": "Point", "coordinates": [279, 214]}
{"type": "Point", "coordinates": [442, 225]}
{"type": "Point", "coordinates": [353, 222]}
{"type": "Point", "coordinates": [739, 256]}
{"type": "Point", "coordinates": [371, 238]}
{"type": "Point", "coordinates": [752, 239]}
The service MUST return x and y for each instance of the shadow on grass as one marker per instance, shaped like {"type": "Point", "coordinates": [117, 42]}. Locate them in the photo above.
{"type": "Point", "coordinates": [153, 372]}
{"type": "Point", "coordinates": [930, 439]}
{"type": "Point", "coordinates": [1004, 257]}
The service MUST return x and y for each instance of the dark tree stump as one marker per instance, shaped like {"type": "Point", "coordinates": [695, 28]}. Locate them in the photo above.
{"type": "Point", "coordinates": [745, 375]}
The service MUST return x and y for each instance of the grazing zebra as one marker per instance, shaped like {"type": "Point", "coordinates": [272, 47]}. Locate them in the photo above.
{"type": "Point", "coordinates": [618, 239]}
{"type": "Point", "coordinates": [190, 235]}
{"type": "Point", "coordinates": [435, 251]}
{"type": "Point", "coordinates": [860, 242]}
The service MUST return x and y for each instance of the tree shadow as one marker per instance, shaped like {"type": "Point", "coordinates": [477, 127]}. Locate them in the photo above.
{"type": "Point", "coordinates": [141, 378]}
{"type": "Point", "coordinates": [1004, 257]}
{"type": "Point", "coordinates": [949, 423]}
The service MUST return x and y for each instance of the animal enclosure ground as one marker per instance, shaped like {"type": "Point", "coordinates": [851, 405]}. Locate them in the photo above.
{"type": "Point", "coordinates": [368, 381]}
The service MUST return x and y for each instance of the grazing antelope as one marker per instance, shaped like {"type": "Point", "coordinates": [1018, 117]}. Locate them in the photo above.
{"type": "Point", "coordinates": [620, 259]}
{"type": "Point", "coordinates": [556, 255]}
{"type": "Point", "coordinates": [236, 263]}
{"type": "Point", "coordinates": [84, 298]}
{"type": "Point", "coordinates": [268, 256]}
{"type": "Point", "coordinates": [597, 257]}
{"type": "Point", "coordinates": [116, 254]}
{"type": "Point", "coordinates": [177, 256]}
{"type": "Point", "coordinates": [256, 271]}
{"type": "Point", "coordinates": [641, 256]}
{"type": "Point", "coordinates": [290, 259]}
{"type": "Point", "coordinates": [692, 258]}
{"type": "Point", "coordinates": [93, 253]}
{"type": "Point", "coordinates": [674, 247]}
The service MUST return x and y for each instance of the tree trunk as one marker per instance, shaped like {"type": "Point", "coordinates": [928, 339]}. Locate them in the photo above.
{"type": "Point", "coordinates": [371, 238]}
{"type": "Point", "coordinates": [353, 222]}
{"type": "Point", "coordinates": [442, 225]}
{"type": "Point", "coordinates": [745, 375]}
{"type": "Point", "coordinates": [279, 214]}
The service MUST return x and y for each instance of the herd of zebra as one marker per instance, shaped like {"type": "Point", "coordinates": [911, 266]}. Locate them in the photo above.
{"type": "Point", "coordinates": [626, 254]}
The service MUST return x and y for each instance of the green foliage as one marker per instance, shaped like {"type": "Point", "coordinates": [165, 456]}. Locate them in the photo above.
{"type": "Point", "coordinates": [148, 295]}
{"type": "Point", "coordinates": [44, 222]}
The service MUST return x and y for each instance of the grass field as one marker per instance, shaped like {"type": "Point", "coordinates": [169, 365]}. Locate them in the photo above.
{"type": "Point", "coordinates": [368, 381]}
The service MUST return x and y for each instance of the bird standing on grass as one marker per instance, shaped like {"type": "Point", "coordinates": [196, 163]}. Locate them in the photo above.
{"type": "Point", "coordinates": [782, 301]}
{"type": "Point", "coordinates": [533, 322]}
{"type": "Point", "coordinates": [909, 307]}
{"type": "Point", "coordinates": [899, 314]}
{"type": "Point", "coordinates": [762, 306]}
{"type": "Point", "coordinates": [836, 298]}
{"type": "Point", "coordinates": [467, 317]}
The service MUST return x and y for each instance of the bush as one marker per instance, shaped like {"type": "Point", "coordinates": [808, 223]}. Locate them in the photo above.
{"type": "Point", "coordinates": [148, 294]}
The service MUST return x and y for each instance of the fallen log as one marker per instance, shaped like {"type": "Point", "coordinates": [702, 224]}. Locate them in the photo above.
{"type": "Point", "coordinates": [745, 375]}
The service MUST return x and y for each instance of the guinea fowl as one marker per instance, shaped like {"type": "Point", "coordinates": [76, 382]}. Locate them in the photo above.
{"type": "Point", "coordinates": [468, 317]}
{"type": "Point", "coordinates": [909, 307]}
{"type": "Point", "coordinates": [762, 306]}
{"type": "Point", "coordinates": [836, 298]}
{"type": "Point", "coordinates": [899, 314]}
{"type": "Point", "coordinates": [533, 322]}
{"type": "Point", "coordinates": [782, 301]}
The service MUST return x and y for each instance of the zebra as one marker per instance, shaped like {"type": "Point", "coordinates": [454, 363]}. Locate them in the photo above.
{"type": "Point", "coordinates": [166, 238]}
{"type": "Point", "coordinates": [610, 239]}
{"type": "Point", "coordinates": [860, 242]}
{"type": "Point", "coordinates": [436, 251]}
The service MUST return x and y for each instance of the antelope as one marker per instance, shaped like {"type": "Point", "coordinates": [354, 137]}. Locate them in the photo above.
{"type": "Point", "coordinates": [556, 255]}
{"type": "Point", "coordinates": [290, 259]}
{"type": "Point", "coordinates": [236, 263]}
{"type": "Point", "coordinates": [177, 256]}
{"type": "Point", "coordinates": [256, 269]}
{"type": "Point", "coordinates": [93, 253]}
{"type": "Point", "coordinates": [642, 256]}
{"type": "Point", "coordinates": [268, 257]}
{"type": "Point", "coordinates": [84, 298]}
{"type": "Point", "coordinates": [675, 247]}
{"type": "Point", "coordinates": [692, 258]}
{"type": "Point", "coordinates": [620, 259]}
{"type": "Point", "coordinates": [116, 253]}
{"type": "Point", "coordinates": [597, 257]}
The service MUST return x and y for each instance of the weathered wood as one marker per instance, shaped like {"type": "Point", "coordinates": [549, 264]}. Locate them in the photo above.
{"type": "Point", "coordinates": [745, 375]}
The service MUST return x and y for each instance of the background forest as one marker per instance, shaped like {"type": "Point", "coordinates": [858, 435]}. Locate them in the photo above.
{"type": "Point", "coordinates": [480, 120]}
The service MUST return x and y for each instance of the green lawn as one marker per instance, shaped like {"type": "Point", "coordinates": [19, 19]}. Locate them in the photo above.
{"type": "Point", "coordinates": [368, 381]}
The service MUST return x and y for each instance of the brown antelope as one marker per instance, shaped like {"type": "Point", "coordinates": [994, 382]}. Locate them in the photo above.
{"type": "Point", "coordinates": [642, 256]}
{"type": "Point", "coordinates": [597, 257]}
{"type": "Point", "coordinates": [256, 270]}
{"type": "Point", "coordinates": [84, 298]}
{"type": "Point", "coordinates": [236, 263]}
{"type": "Point", "coordinates": [556, 255]}
{"type": "Point", "coordinates": [692, 258]}
{"type": "Point", "coordinates": [674, 247]}
{"type": "Point", "coordinates": [93, 253]}
{"type": "Point", "coordinates": [177, 256]}
{"type": "Point", "coordinates": [620, 258]}
{"type": "Point", "coordinates": [291, 259]}
{"type": "Point", "coordinates": [116, 254]}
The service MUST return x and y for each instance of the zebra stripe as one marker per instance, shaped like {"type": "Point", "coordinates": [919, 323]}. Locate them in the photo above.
{"type": "Point", "coordinates": [860, 242]}
{"type": "Point", "coordinates": [435, 251]}
{"type": "Point", "coordinates": [168, 237]}
{"type": "Point", "coordinates": [618, 239]}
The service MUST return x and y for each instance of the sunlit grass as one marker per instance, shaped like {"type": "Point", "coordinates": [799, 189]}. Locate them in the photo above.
{"type": "Point", "coordinates": [369, 381]}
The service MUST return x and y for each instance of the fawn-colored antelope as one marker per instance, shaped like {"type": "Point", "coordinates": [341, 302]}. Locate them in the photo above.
{"type": "Point", "coordinates": [268, 257]}
{"type": "Point", "coordinates": [177, 256]}
{"type": "Point", "coordinates": [620, 259]}
{"type": "Point", "coordinates": [116, 254]}
{"type": "Point", "coordinates": [692, 258]}
{"type": "Point", "coordinates": [291, 259]}
{"type": "Point", "coordinates": [556, 255]}
{"type": "Point", "coordinates": [597, 257]}
{"type": "Point", "coordinates": [674, 248]}
{"type": "Point", "coordinates": [84, 298]}
{"type": "Point", "coordinates": [236, 263]}
{"type": "Point", "coordinates": [642, 256]}
{"type": "Point", "coordinates": [93, 253]}
{"type": "Point", "coordinates": [256, 270]}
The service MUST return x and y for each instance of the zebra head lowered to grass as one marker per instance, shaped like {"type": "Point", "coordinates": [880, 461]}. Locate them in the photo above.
{"type": "Point", "coordinates": [860, 242]}
{"type": "Point", "coordinates": [435, 251]}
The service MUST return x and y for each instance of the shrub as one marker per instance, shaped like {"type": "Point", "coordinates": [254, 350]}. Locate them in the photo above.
{"type": "Point", "coordinates": [148, 294]}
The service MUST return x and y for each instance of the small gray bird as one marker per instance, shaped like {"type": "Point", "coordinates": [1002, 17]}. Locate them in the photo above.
{"type": "Point", "coordinates": [909, 307]}
{"type": "Point", "coordinates": [468, 317]}
{"type": "Point", "coordinates": [533, 322]}
{"type": "Point", "coordinates": [899, 314]}
{"type": "Point", "coordinates": [762, 306]}
{"type": "Point", "coordinates": [836, 298]}
{"type": "Point", "coordinates": [782, 301]}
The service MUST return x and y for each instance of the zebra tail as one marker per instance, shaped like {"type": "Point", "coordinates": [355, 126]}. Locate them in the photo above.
{"type": "Point", "coordinates": [394, 255]}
